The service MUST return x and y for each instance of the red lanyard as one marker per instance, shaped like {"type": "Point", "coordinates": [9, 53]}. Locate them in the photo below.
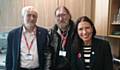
{"type": "Point", "coordinates": [29, 47]}
{"type": "Point", "coordinates": [64, 40]}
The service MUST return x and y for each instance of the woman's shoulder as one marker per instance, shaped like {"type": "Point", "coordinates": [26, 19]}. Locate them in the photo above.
{"type": "Point", "coordinates": [100, 40]}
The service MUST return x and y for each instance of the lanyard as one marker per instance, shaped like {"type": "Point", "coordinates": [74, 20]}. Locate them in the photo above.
{"type": "Point", "coordinates": [64, 40]}
{"type": "Point", "coordinates": [28, 46]}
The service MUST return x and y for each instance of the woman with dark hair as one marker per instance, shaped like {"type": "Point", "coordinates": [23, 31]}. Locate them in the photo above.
{"type": "Point", "coordinates": [93, 52]}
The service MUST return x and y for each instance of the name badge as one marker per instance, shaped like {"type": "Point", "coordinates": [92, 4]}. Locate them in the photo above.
{"type": "Point", "coordinates": [62, 53]}
{"type": "Point", "coordinates": [28, 57]}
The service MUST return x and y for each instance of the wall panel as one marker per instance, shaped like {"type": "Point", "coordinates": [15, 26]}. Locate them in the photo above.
{"type": "Point", "coordinates": [79, 8]}
{"type": "Point", "coordinates": [9, 14]}
{"type": "Point", "coordinates": [10, 11]}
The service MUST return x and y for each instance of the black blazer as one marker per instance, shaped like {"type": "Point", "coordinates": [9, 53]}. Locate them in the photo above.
{"type": "Point", "coordinates": [13, 49]}
{"type": "Point", "coordinates": [101, 59]}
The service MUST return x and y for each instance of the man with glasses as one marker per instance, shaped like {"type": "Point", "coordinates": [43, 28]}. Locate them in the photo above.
{"type": "Point", "coordinates": [61, 36]}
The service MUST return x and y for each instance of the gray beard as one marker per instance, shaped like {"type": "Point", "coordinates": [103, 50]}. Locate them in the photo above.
{"type": "Point", "coordinates": [65, 28]}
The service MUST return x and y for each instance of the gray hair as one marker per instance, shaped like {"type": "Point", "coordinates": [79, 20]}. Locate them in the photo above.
{"type": "Point", "coordinates": [28, 8]}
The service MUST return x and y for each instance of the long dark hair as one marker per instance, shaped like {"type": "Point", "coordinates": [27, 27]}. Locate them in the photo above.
{"type": "Point", "coordinates": [77, 40]}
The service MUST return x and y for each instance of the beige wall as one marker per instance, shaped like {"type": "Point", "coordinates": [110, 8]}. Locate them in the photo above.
{"type": "Point", "coordinates": [10, 11]}
{"type": "Point", "coordinates": [101, 16]}
{"type": "Point", "coordinates": [9, 14]}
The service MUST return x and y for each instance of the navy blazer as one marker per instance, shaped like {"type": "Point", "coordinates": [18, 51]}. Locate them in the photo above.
{"type": "Point", "coordinates": [13, 49]}
{"type": "Point", "coordinates": [101, 58]}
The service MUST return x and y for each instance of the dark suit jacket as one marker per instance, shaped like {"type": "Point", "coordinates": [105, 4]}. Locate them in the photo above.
{"type": "Point", "coordinates": [13, 50]}
{"type": "Point", "coordinates": [101, 59]}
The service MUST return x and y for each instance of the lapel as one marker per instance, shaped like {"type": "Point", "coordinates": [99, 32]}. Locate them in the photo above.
{"type": "Point", "coordinates": [38, 34]}
{"type": "Point", "coordinates": [18, 36]}
{"type": "Point", "coordinates": [93, 53]}
{"type": "Point", "coordinates": [16, 46]}
{"type": "Point", "coordinates": [39, 41]}
{"type": "Point", "coordinates": [40, 46]}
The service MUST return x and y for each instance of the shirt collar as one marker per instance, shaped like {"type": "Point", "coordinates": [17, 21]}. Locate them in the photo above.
{"type": "Point", "coordinates": [59, 31]}
{"type": "Point", "coordinates": [33, 32]}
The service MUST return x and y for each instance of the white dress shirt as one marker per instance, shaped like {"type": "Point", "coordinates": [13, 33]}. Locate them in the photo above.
{"type": "Point", "coordinates": [29, 61]}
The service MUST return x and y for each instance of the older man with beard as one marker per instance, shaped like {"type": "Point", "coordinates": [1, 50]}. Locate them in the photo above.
{"type": "Point", "coordinates": [27, 45]}
{"type": "Point", "coordinates": [61, 37]}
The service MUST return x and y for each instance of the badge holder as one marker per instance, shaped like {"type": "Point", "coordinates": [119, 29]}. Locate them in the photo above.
{"type": "Point", "coordinates": [62, 53]}
{"type": "Point", "coordinates": [29, 56]}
